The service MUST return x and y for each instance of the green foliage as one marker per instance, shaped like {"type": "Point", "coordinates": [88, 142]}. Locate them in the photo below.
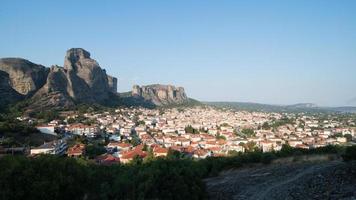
{"type": "Point", "coordinates": [140, 122]}
{"type": "Point", "coordinates": [350, 153]}
{"type": "Point", "coordinates": [218, 137]}
{"type": "Point", "coordinates": [337, 135]}
{"type": "Point", "coordinates": [92, 151]}
{"type": "Point", "coordinates": [348, 137]}
{"type": "Point", "coordinates": [61, 178]}
{"type": "Point", "coordinates": [248, 132]}
{"type": "Point", "coordinates": [268, 157]}
{"type": "Point", "coordinates": [17, 133]}
{"type": "Point", "coordinates": [190, 129]}
{"type": "Point", "coordinates": [174, 177]}
{"type": "Point", "coordinates": [225, 124]}
{"type": "Point", "coordinates": [281, 122]}
{"type": "Point", "coordinates": [135, 141]}
{"type": "Point", "coordinates": [266, 126]}
{"type": "Point", "coordinates": [50, 177]}
{"type": "Point", "coordinates": [47, 115]}
{"type": "Point", "coordinates": [71, 121]}
{"type": "Point", "coordinates": [174, 155]}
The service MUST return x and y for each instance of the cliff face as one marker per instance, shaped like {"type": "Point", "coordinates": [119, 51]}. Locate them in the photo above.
{"type": "Point", "coordinates": [160, 94]}
{"type": "Point", "coordinates": [87, 82]}
{"type": "Point", "coordinates": [112, 81]}
{"type": "Point", "coordinates": [8, 94]}
{"type": "Point", "coordinates": [25, 77]}
{"type": "Point", "coordinates": [81, 80]}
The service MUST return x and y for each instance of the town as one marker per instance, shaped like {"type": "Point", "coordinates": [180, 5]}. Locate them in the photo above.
{"type": "Point", "coordinates": [124, 134]}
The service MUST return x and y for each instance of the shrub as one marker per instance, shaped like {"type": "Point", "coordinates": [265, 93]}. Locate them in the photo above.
{"type": "Point", "coordinates": [268, 157]}
{"type": "Point", "coordinates": [349, 154]}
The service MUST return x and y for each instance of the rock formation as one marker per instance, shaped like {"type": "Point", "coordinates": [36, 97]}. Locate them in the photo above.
{"type": "Point", "coordinates": [8, 94]}
{"type": "Point", "coordinates": [80, 80]}
{"type": "Point", "coordinates": [112, 81]}
{"type": "Point", "coordinates": [87, 82]}
{"type": "Point", "coordinates": [160, 94]}
{"type": "Point", "coordinates": [25, 77]}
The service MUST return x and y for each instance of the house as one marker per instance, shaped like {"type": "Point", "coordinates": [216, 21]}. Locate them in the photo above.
{"type": "Point", "coordinates": [294, 143]}
{"type": "Point", "coordinates": [160, 152]}
{"type": "Point", "coordinates": [107, 159]}
{"type": "Point", "coordinates": [120, 146]}
{"type": "Point", "coordinates": [76, 150]}
{"type": "Point", "coordinates": [81, 129]}
{"type": "Point", "coordinates": [267, 145]}
{"type": "Point", "coordinates": [57, 147]}
{"type": "Point", "coordinates": [116, 138]}
{"type": "Point", "coordinates": [201, 153]}
{"type": "Point", "coordinates": [128, 156]}
{"type": "Point", "coordinates": [238, 148]}
{"type": "Point", "coordinates": [46, 129]}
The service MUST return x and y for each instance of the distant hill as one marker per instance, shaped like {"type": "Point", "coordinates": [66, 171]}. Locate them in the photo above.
{"type": "Point", "coordinates": [300, 107]}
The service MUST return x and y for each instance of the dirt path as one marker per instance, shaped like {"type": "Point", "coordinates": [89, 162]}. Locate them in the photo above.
{"type": "Point", "coordinates": [285, 182]}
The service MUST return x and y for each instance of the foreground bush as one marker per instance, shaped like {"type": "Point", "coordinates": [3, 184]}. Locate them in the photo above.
{"type": "Point", "coordinates": [52, 177]}
{"type": "Point", "coordinates": [350, 153]}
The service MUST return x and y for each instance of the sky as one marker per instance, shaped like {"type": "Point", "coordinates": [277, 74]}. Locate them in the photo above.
{"type": "Point", "coordinates": [276, 52]}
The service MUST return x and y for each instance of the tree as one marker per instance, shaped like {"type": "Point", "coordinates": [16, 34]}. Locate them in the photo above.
{"type": "Point", "coordinates": [350, 153]}
{"type": "Point", "coordinates": [248, 132]}
{"type": "Point", "coordinates": [71, 120]}
{"type": "Point", "coordinates": [145, 147]}
{"type": "Point", "coordinates": [190, 129]}
{"type": "Point", "coordinates": [173, 154]}
{"type": "Point", "coordinates": [266, 126]}
{"type": "Point", "coordinates": [348, 137]}
{"type": "Point", "coordinates": [140, 122]}
{"type": "Point", "coordinates": [150, 156]}
{"type": "Point", "coordinates": [250, 146]}
{"type": "Point", "coordinates": [137, 160]}
{"type": "Point", "coordinates": [94, 150]}
{"type": "Point", "coordinates": [225, 124]}
{"type": "Point", "coordinates": [135, 141]}
{"type": "Point", "coordinates": [220, 137]}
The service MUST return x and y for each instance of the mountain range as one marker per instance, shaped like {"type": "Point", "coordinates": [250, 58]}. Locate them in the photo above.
{"type": "Point", "coordinates": [300, 107]}
{"type": "Point", "coordinates": [80, 80]}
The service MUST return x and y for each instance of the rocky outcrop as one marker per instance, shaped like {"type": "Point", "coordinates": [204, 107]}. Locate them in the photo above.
{"type": "Point", "coordinates": [8, 94]}
{"type": "Point", "coordinates": [160, 94]}
{"type": "Point", "coordinates": [25, 77]}
{"type": "Point", "coordinates": [112, 81]}
{"type": "Point", "coordinates": [80, 80]}
{"type": "Point", "coordinates": [55, 92]}
{"type": "Point", "coordinates": [87, 82]}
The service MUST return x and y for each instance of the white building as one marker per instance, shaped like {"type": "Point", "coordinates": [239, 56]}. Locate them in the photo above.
{"type": "Point", "coordinates": [57, 147]}
{"type": "Point", "coordinates": [46, 129]}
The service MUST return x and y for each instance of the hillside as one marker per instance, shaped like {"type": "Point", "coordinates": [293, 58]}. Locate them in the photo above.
{"type": "Point", "coordinates": [300, 107]}
{"type": "Point", "coordinates": [304, 180]}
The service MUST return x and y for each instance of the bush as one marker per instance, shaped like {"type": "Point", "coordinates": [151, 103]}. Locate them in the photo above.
{"type": "Point", "coordinates": [268, 157]}
{"type": "Point", "coordinates": [350, 153]}
{"type": "Point", "coordinates": [162, 178]}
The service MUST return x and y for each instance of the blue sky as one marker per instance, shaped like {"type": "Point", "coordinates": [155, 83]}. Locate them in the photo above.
{"type": "Point", "coordinates": [279, 52]}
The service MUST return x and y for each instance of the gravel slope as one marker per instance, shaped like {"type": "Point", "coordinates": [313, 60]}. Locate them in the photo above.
{"type": "Point", "coordinates": [309, 180]}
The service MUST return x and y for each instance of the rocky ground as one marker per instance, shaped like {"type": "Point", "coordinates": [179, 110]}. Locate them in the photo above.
{"type": "Point", "coordinates": [307, 180]}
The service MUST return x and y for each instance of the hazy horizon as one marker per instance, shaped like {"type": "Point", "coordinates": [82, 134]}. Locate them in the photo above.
{"type": "Point", "coordinates": [271, 52]}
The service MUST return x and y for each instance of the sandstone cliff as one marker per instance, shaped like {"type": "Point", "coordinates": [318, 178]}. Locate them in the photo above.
{"type": "Point", "coordinates": [160, 94]}
{"type": "Point", "coordinates": [8, 94]}
{"type": "Point", "coordinates": [25, 77]}
{"type": "Point", "coordinates": [87, 82]}
{"type": "Point", "coordinates": [80, 80]}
